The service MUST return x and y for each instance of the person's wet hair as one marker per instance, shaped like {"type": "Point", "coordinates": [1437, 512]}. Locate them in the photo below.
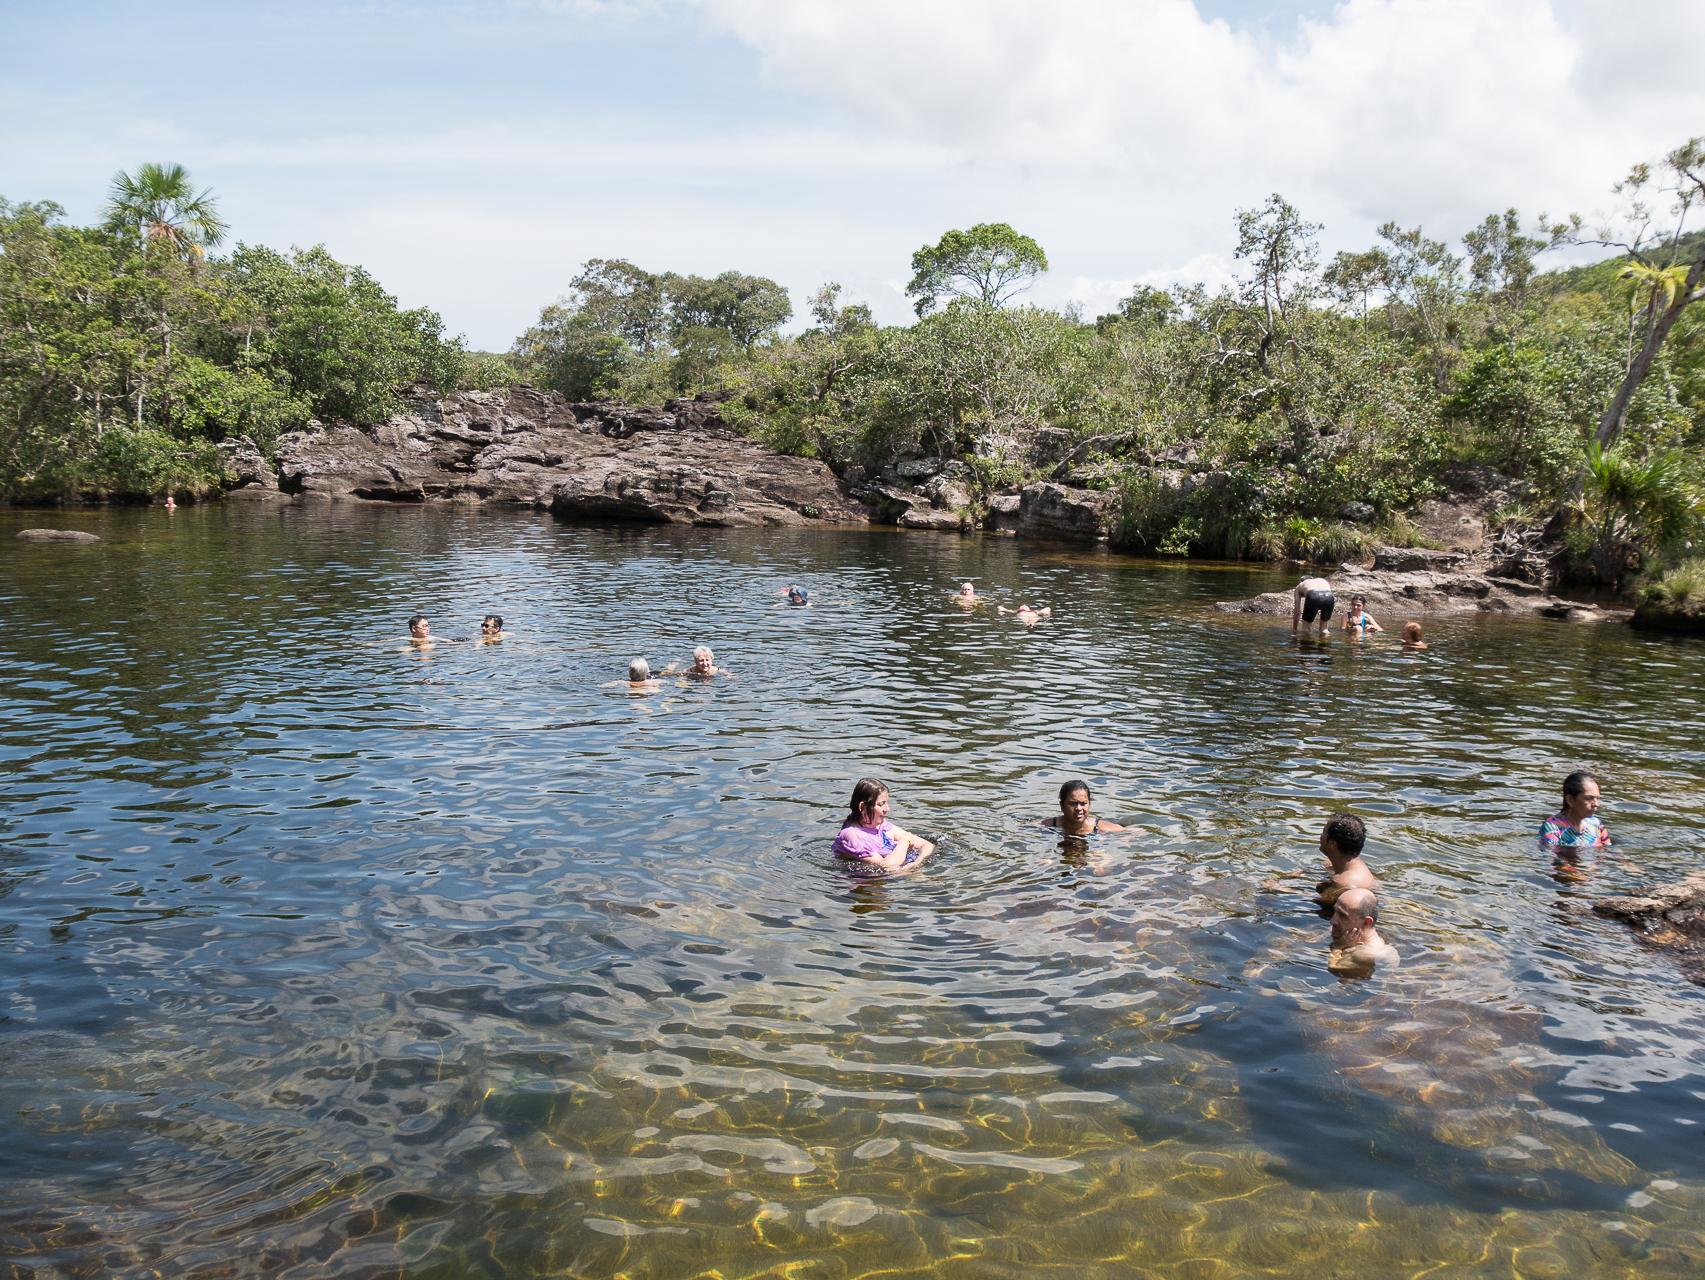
{"type": "Point", "coordinates": [1075, 784]}
{"type": "Point", "coordinates": [866, 792]}
{"type": "Point", "coordinates": [1576, 783]}
{"type": "Point", "coordinates": [1411, 631]}
{"type": "Point", "coordinates": [639, 669]}
{"type": "Point", "coordinates": [703, 649]}
{"type": "Point", "coordinates": [416, 621]}
{"type": "Point", "coordinates": [1347, 832]}
{"type": "Point", "coordinates": [495, 620]}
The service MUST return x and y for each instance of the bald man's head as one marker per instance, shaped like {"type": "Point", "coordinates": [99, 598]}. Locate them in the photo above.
{"type": "Point", "coordinates": [1355, 911]}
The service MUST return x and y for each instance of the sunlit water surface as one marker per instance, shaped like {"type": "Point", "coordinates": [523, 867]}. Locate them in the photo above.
{"type": "Point", "coordinates": [326, 956]}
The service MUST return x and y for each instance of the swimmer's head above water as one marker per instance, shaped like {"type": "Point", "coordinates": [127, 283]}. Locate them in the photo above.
{"type": "Point", "coordinates": [638, 670]}
{"type": "Point", "coordinates": [1346, 832]}
{"type": "Point", "coordinates": [419, 627]}
{"type": "Point", "coordinates": [869, 804]}
{"type": "Point", "coordinates": [798, 595]}
{"type": "Point", "coordinates": [492, 625]}
{"type": "Point", "coordinates": [1353, 915]}
{"type": "Point", "coordinates": [1580, 796]}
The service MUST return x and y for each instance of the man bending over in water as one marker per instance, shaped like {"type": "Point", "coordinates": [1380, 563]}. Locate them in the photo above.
{"type": "Point", "coordinates": [1075, 818]}
{"type": "Point", "coordinates": [1312, 597]}
{"type": "Point", "coordinates": [1356, 944]}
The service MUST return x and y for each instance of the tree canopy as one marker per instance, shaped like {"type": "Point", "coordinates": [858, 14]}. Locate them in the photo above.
{"type": "Point", "coordinates": [991, 263]}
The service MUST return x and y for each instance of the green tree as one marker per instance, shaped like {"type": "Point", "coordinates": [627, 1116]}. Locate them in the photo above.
{"type": "Point", "coordinates": [158, 205]}
{"type": "Point", "coordinates": [1509, 396]}
{"type": "Point", "coordinates": [1146, 308]}
{"type": "Point", "coordinates": [615, 297]}
{"type": "Point", "coordinates": [1664, 283]}
{"type": "Point", "coordinates": [745, 308]}
{"type": "Point", "coordinates": [991, 263]}
{"type": "Point", "coordinates": [331, 334]}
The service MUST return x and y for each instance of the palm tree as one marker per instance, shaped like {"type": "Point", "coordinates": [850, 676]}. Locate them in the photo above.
{"type": "Point", "coordinates": [160, 206]}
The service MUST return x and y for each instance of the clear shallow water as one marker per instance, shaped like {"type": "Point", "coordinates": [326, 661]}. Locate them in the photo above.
{"type": "Point", "coordinates": [328, 957]}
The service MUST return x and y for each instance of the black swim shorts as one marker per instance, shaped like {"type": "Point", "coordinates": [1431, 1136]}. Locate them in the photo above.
{"type": "Point", "coordinates": [1317, 602]}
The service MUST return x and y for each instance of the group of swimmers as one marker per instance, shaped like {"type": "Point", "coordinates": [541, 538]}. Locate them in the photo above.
{"type": "Point", "coordinates": [1312, 601]}
{"type": "Point", "coordinates": [877, 846]}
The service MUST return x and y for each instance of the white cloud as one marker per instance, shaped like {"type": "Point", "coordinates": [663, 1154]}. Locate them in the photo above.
{"type": "Point", "coordinates": [1430, 111]}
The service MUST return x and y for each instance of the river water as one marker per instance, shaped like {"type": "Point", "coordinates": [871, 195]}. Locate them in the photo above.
{"type": "Point", "coordinates": [327, 955]}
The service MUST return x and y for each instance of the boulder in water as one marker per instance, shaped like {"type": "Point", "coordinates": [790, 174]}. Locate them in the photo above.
{"type": "Point", "coordinates": [56, 535]}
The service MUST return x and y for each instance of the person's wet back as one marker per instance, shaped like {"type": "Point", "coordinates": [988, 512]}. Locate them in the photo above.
{"type": "Point", "coordinates": [1312, 599]}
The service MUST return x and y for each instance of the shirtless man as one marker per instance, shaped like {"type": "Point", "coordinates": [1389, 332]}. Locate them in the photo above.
{"type": "Point", "coordinates": [639, 678]}
{"type": "Point", "coordinates": [966, 594]}
{"type": "Point", "coordinates": [1356, 944]}
{"type": "Point", "coordinates": [1075, 818]}
{"type": "Point", "coordinates": [703, 666]}
{"type": "Point", "coordinates": [1312, 597]}
{"type": "Point", "coordinates": [491, 629]}
{"type": "Point", "coordinates": [420, 632]}
{"type": "Point", "coordinates": [1341, 840]}
{"type": "Point", "coordinates": [1028, 616]}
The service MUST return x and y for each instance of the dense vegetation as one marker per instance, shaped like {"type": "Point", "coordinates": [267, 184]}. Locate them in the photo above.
{"type": "Point", "coordinates": [127, 353]}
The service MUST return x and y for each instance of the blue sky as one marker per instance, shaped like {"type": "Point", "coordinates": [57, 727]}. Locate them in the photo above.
{"type": "Point", "coordinates": [471, 155]}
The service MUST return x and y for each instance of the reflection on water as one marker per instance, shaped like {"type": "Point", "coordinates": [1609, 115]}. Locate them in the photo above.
{"type": "Point", "coordinates": [330, 958]}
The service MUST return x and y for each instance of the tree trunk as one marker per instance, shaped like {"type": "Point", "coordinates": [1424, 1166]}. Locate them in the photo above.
{"type": "Point", "coordinates": [1610, 426]}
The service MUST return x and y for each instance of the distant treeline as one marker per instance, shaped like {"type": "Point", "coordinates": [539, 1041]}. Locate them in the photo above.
{"type": "Point", "coordinates": [127, 353]}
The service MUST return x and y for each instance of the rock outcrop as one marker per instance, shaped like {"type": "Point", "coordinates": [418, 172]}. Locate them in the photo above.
{"type": "Point", "coordinates": [1430, 591]}
{"type": "Point", "coordinates": [56, 535]}
{"type": "Point", "coordinates": [677, 464]}
{"type": "Point", "coordinates": [1669, 917]}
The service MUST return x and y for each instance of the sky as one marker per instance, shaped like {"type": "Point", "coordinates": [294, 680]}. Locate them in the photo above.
{"type": "Point", "coordinates": [470, 156]}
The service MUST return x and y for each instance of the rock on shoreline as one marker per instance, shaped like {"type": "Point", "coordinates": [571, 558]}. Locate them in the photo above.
{"type": "Point", "coordinates": [678, 464]}
{"type": "Point", "coordinates": [1445, 590]}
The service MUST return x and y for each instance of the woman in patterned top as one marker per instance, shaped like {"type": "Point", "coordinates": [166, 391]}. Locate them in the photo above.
{"type": "Point", "coordinates": [1577, 825]}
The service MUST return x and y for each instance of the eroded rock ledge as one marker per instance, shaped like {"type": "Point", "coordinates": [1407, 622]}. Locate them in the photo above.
{"type": "Point", "coordinates": [677, 464]}
{"type": "Point", "coordinates": [1398, 592]}
{"type": "Point", "coordinates": [1669, 917]}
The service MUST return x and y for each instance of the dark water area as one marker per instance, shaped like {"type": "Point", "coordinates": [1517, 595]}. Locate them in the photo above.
{"type": "Point", "coordinates": [327, 955]}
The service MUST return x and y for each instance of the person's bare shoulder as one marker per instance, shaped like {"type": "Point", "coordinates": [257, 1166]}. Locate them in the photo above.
{"type": "Point", "coordinates": [1102, 824]}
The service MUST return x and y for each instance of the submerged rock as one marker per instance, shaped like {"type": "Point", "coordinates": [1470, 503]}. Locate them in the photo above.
{"type": "Point", "coordinates": [56, 535]}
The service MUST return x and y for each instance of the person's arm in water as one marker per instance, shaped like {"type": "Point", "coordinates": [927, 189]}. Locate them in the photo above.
{"type": "Point", "coordinates": [897, 858]}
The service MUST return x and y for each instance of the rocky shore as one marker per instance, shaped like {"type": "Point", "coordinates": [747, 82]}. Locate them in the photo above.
{"type": "Point", "coordinates": [1405, 582]}
{"type": "Point", "coordinates": [681, 463]}
{"type": "Point", "coordinates": [678, 463]}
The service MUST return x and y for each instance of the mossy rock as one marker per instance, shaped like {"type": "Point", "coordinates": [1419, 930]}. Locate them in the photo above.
{"type": "Point", "coordinates": [1657, 618]}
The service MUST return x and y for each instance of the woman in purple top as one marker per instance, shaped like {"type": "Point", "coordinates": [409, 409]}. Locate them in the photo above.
{"type": "Point", "coordinates": [868, 837]}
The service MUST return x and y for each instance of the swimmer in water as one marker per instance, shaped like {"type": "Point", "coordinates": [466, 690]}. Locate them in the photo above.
{"type": "Point", "coordinates": [420, 632]}
{"type": "Point", "coordinates": [639, 678]}
{"type": "Point", "coordinates": [703, 666]}
{"type": "Point", "coordinates": [1028, 616]}
{"type": "Point", "coordinates": [1075, 818]}
{"type": "Point", "coordinates": [1577, 825]}
{"type": "Point", "coordinates": [798, 597]}
{"type": "Point", "coordinates": [868, 837]}
{"type": "Point", "coordinates": [965, 595]}
{"type": "Point", "coordinates": [1359, 619]}
{"type": "Point", "coordinates": [1412, 636]}
{"type": "Point", "coordinates": [1356, 944]}
{"type": "Point", "coordinates": [491, 629]}
{"type": "Point", "coordinates": [1341, 840]}
{"type": "Point", "coordinates": [1312, 598]}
